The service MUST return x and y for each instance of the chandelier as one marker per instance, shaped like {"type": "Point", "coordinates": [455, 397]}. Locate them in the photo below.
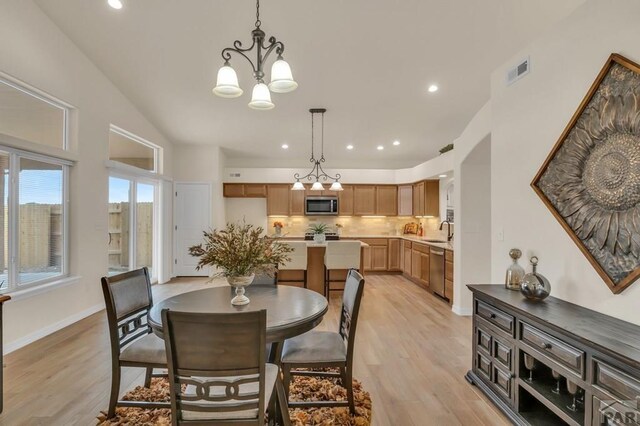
{"type": "Point", "coordinates": [281, 76]}
{"type": "Point", "coordinates": [317, 173]}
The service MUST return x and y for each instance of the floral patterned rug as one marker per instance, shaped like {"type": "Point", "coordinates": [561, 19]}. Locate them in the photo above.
{"type": "Point", "coordinates": [302, 388]}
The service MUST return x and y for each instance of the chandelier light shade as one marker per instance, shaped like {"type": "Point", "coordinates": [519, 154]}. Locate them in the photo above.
{"type": "Point", "coordinates": [261, 97]}
{"type": "Point", "coordinates": [317, 173]}
{"type": "Point", "coordinates": [227, 83]}
{"type": "Point", "coordinates": [281, 76]}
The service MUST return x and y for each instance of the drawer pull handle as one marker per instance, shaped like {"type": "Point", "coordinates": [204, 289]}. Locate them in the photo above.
{"type": "Point", "coordinates": [546, 346]}
{"type": "Point", "coordinates": [492, 316]}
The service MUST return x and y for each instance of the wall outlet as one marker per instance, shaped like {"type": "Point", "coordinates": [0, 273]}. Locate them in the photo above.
{"type": "Point", "coordinates": [500, 234]}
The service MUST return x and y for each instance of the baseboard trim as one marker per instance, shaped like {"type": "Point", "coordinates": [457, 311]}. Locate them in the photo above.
{"type": "Point", "coordinates": [43, 332]}
{"type": "Point", "coordinates": [460, 311]}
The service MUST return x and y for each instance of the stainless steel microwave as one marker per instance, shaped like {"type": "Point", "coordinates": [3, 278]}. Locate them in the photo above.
{"type": "Point", "coordinates": [321, 206]}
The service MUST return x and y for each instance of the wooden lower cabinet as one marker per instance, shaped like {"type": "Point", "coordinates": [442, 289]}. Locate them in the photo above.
{"type": "Point", "coordinates": [424, 269]}
{"type": "Point", "coordinates": [395, 257]}
{"type": "Point", "coordinates": [406, 257]}
{"type": "Point", "coordinates": [379, 258]}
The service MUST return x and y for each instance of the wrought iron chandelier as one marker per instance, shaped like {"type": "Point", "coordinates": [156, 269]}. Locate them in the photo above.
{"type": "Point", "coordinates": [281, 76]}
{"type": "Point", "coordinates": [317, 173]}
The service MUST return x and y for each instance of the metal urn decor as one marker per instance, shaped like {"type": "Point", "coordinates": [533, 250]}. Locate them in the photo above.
{"type": "Point", "coordinates": [535, 286]}
{"type": "Point", "coordinates": [591, 179]}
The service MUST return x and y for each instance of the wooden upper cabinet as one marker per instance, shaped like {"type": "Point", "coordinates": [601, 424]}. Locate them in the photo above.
{"type": "Point", "coordinates": [418, 199]}
{"type": "Point", "coordinates": [345, 201]}
{"type": "Point", "coordinates": [432, 198]}
{"type": "Point", "coordinates": [257, 190]}
{"type": "Point", "coordinates": [278, 199]}
{"type": "Point", "coordinates": [405, 200]}
{"type": "Point", "coordinates": [296, 203]}
{"type": "Point", "coordinates": [234, 190]}
{"type": "Point", "coordinates": [387, 200]}
{"type": "Point", "coordinates": [364, 200]}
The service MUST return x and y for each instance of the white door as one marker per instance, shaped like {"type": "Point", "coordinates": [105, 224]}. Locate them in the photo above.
{"type": "Point", "coordinates": [192, 217]}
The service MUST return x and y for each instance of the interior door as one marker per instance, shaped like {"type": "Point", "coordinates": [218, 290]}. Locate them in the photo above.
{"type": "Point", "coordinates": [192, 217]}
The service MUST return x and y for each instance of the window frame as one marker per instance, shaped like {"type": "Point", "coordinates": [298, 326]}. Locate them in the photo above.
{"type": "Point", "coordinates": [157, 150]}
{"type": "Point", "coordinates": [13, 221]}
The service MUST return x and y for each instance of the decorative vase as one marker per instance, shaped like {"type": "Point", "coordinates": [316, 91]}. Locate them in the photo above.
{"type": "Point", "coordinates": [240, 283]}
{"type": "Point", "coordinates": [319, 238]}
{"type": "Point", "coordinates": [278, 231]}
{"type": "Point", "coordinates": [535, 286]}
{"type": "Point", "coordinates": [515, 272]}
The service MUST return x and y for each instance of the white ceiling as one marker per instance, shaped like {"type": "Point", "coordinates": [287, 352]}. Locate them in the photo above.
{"type": "Point", "coordinates": [369, 62]}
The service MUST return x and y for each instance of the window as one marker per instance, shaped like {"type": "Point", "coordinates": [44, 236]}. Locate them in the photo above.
{"type": "Point", "coordinates": [33, 216]}
{"type": "Point", "coordinates": [132, 150]}
{"type": "Point", "coordinates": [28, 116]}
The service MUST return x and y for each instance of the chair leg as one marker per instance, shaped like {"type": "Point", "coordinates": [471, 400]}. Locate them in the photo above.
{"type": "Point", "coordinates": [272, 410]}
{"type": "Point", "coordinates": [349, 387]}
{"type": "Point", "coordinates": [147, 377]}
{"type": "Point", "coordinates": [286, 380]}
{"type": "Point", "coordinates": [305, 278]}
{"type": "Point", "coordinates": [283, 406]}
{"type": "Point", "coordinates": [115, 390]}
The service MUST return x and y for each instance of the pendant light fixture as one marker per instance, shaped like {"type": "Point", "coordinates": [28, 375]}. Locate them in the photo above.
{"type": "Point", "coordinates": [281, 77]}
{"type": "Point", "coordinates": [317, 173]}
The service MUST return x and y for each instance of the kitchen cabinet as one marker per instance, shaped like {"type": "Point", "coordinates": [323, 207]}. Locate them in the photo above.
{"type": "Point", "coordinates": [364, 200]}
{"type": "Point", "coordinates": [244, 190]}
{"type": "Point", "coordinates": [345, 201]}
{"type": "Point", "coordinates": [405, 200]}
{"type": "Point", "coordinates": [448, 275]}
{"type": "Point", "coordinates": [376, 255]}
{"type": "Point", "coordinates": [387, 200]}
{"type": "Point", "coordinates": [426, 198]}
{"type": "Point", "coordinates": [420, 263]}
{"type": "Point", "coordinates": [415, 265]}
{"type": "Point", "coordinates": [394, 255]}
{"type": "Point", "coordinates": [424, 269]}
{"type": "Point", "coordinates": [406, 257]}
{"type": "Point", "coordinates": [366, 258]}
{"type": "Point", "coordinates": [296, 203]}
{"type": "Point", "coordinates": [278, 199]}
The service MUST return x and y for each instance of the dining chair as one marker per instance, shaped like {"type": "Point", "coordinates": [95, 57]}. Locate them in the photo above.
{"type": "Point", "coordinates": [128, 300]}
{"type": "Point", "coordinates": [265, 279]}
{"type": "Point", "coordinates": [297, 262]}
{"type": "Point", "coordinates": [218, 374]}
{"type": "Point", "coordinates": [340, 255]}
{"type": "Point", "coordinates": [327, 349]}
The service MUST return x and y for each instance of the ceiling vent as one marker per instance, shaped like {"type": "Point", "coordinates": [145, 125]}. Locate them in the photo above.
{"type": "Point", "coordinates": [517, 72]}
{"type": "Point", "coordinates": [234, 175]}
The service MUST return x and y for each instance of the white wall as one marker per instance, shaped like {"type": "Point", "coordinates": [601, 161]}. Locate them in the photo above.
{"type": "Point", "coordinates": [34, 50]}
{"type": "Point", "coordinates": [528, 118]}
{"type": "Point", "coordinates": [252, 210]}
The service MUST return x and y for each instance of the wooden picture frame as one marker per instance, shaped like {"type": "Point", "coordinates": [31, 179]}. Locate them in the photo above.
{"type": "Point", "coordinates": [588, 182]}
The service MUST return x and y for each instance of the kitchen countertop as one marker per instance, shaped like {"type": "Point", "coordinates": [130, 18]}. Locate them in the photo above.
{"type": "Point", "coordinates": [408, 237]}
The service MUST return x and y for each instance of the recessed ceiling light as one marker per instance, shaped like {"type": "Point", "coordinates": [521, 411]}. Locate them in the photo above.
{"type": "Point", "coordinates": [396, 143]}
{"type": "Point", "coordinates": [443, 175]}
{"type": "Point", "coordinates": [380, 147]}
{"type": "Point", "coordinates": [285, 146]}
{"type": "Point", "coordinates": [433, 88]}
{"type": "Point", "coordinates": [349, 147]}
{"type": "Point", "coordinates": [116, 4]}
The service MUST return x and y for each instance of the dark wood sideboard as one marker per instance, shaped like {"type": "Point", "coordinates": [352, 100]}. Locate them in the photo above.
{"type": "Point", "coordinates": [598, 353]}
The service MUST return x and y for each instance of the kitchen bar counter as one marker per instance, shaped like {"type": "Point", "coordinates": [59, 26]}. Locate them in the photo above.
{"type": "Point", "coordinates": [407, 237]}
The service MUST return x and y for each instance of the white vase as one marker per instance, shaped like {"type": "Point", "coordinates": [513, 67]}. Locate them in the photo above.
{"type": "Point", "coordinates": [240, 283]}
{"type": "Point", "coordinates": [319, 238]}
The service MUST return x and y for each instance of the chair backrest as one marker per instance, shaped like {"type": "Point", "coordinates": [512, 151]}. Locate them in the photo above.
{"type": "Point", "coordinates": [342, 255]}
{"type": "Point", "coordinates": [353, 289]}
{"type": "Point", "coordinates": [264, 279]}
{"type": "Point", "coordinates": [211, 360]}
{"type": "Point", "coordinates": [128, 300]}
{"type": "Point", "coordinates": [298, 256]}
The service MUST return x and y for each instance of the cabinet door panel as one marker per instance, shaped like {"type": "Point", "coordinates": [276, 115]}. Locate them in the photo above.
{"type": "Point", "coordinates": [394, 255]}
{"type": "Point", "coordinates": [379, 256]}
{"type": "Point", "coordinates": [416, 264]}
{"type": "Point", "coordinates": [345, 201]}
{"type": "Point", "coordinates": [407, 260]}
{"type": "Point", "coordinates": [424, 268]}
{"type": "Point", "coordinates": [278, 200]}
{"type": "Point", "coordinates": [233, 190]}
{"type": "Point", "coordinates": [431, 198]}
{"type": "Point", "coordinates": [405, 200]}
{"type": "Point", "coordinates": [418, 199]}
{"type": "Point", "coordinates": [255, 190]}
{"type": "Point", "coordinates": [387, 200]}
{"type": "Point", "coordinates": [364, 200]}
{"type": "Point", "coordinates": [366, 258]}
{"type": "Point", "coordinates": [296, 207]}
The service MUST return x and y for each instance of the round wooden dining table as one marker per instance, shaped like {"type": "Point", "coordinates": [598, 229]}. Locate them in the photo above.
{"type": "Point", "coordinates": [291, 311]}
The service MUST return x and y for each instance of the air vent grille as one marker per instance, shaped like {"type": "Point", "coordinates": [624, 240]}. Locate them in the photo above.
{"type": "Point", "coordinates": [234, 175]}
{"type": "Point", "coordinates": [517, 72]}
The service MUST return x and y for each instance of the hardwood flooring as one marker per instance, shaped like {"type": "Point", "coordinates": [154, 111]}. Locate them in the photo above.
{"type": "Point", "coordinates": [411, 355]}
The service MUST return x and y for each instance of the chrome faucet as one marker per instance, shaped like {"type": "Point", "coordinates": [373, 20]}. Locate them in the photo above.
{"type": "Point", "coordinates": [449, 233]}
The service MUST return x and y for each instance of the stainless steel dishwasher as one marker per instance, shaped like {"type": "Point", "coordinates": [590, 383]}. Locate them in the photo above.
{"type": "Point", "coordinates": [436, 271]}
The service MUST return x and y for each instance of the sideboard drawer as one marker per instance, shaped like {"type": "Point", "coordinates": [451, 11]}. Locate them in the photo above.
{"type": "Point", "coordinates": [495, 316]}
{"type": "Point", "coordinates": [503, 382]}
{"type": "Point", "coordinates": [562, 352]}
{"type": "Point", "coordinates": [502, 353]}
{"type": "Point", "coordinates": [613, 413]}
{"type": "Point", "coordinates": [483, 340]}
{"type": "Point", "coordinates": [616, 382]}
{"type": "Point", "coordinates": [483, 366]}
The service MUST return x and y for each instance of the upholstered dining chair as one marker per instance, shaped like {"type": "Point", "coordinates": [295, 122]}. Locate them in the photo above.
{"type": "Point", "coordinates": [340, 256]}
{"type": "Point", "coordinates": [217, 369]}
{"type": "Point", "coordinates": [327, 349]}
{"type": "Point", "coordinates": [128, 300]}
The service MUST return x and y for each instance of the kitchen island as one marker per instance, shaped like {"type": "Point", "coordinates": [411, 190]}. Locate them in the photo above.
{"type": "Point", "coordinates": [315, 267]}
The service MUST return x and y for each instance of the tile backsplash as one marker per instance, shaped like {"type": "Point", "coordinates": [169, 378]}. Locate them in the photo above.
{"type": "Point", "coordinates": [356, 226]}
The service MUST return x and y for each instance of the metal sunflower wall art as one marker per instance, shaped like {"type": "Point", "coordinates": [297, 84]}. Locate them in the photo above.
{"type": "Point", "coordinates": [591, 179]}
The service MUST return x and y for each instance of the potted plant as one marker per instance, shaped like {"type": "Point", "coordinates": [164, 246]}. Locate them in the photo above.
{"type": "Point", "coordinates": [239, 252]}
{"type": "Point", "coordinates": [277, 225]}
{"type": "Point", "coordinates": [318, 230]}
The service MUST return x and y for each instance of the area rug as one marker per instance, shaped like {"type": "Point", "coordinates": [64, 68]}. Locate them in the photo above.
{"type": "Point", "coordinates": [302, 388]}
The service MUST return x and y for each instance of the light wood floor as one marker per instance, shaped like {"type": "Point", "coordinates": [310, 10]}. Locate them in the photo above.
{"type": "Point", "coordinates": [411, 355]}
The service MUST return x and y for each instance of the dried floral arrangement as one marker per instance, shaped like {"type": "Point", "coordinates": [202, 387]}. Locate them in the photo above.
{"type": "Point", "coordinates": [278, 224]}
{"type": "Point", "coordinates": [240, 250]}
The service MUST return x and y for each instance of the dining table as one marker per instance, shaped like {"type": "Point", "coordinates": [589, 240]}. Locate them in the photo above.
{"type": "Point", "coordinates": [291, 311]}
